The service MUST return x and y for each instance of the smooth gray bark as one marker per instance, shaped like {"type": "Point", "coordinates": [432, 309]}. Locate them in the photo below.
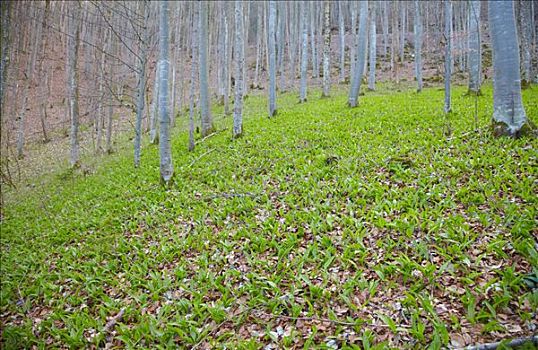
{"type": "Point", "coordinates": [418, 45]}
{"type": "Point", "coordinates": [373, 48]}
{"type": "Point", "coordinates": [154, 114]}
{"type": "Point", "coordinates": [508, 108]}
{"type": "Point", "coordinates": [140, 105]}
{"type": "Point", "coordinates": [353, 46]}
{"type": "Point", "coordinates": [239, 62]}
{"type": "Point", "coordinates": [207, 120]}
{"type": "Point", "coordinates": [475, 61]}
{"type": "Point", "coordinates": [525, 16]}
{"type": "Point", "coordinates": [194, 54]}
{"type": "Point", "coordinates": [304, 52]}
{"type": "Point", "coordinates": [385, 28]}
{"type": "Point", "coordinates": [313, 42]}
{"type": "Point", "coordinates": [272, 58]}
{"type": "Point", "coordinates": [361, 55]}
{"type": "Point", "coordinates": [72, 79]}
{"type": "Point", "coordinates": [326, 49]}
{"type": "Point", "coordinates": [342, 36]}
{"type": "Point", "coordinates": [448, 53]}
{"type": "Point", "coordinates": [165, 153]}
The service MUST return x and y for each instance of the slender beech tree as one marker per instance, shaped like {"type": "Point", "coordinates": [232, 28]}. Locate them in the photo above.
{"type": "Point", "coordinates": [207, 120]}
{"type": "Point", "coordinates": [508, 113]}
{"type": "Point", "coordinates": [313, 42]}
{"type": "Point", "coordinates": [166, 166]}
{"type": "Point", "coordinates": [361, 55]}
{"type": "Point", "coordinates": [326, 49]}
{"type": "Point", "coordinates": [525, 17]}
{"type": "Point", "coordinates": [418, 45]}
{"type": "Point", "coordinates": [475, 61]}
{"type": "Point", "coordinates": [304, 53]}
{"type": "Point", "coordinates": [143, 43]}
{"type": "Point", "coordinates": [194, 55]}
{"type": "Point", "coordinates": [373, 48]}
{"type": "Point", "coordinates": [154, 116]}
{"type": "Point", "coordinates": [239, 62]}
{"type": "Point", "coordinates": [72, 80]}
{"type": "Point", "coordinates": [342, 36]}
{"type": "Point", "coordinates": [448, 53]}
{"type": "Point", "coordinates": [272, 58]}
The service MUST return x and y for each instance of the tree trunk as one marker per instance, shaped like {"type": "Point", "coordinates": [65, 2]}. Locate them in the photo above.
{"type": "Point", "coordinates": [304, 52]}
{"type": "Point", "coordinates": [508, 113]}
{"type": "Point", "coordinates": [194, 54]}
{"type": "Point", "coordinates": [207, 120]}
{"type": "Point", "coordinates": [448, 53]}
{"type": "Point", "coordinates": [418, 45]}
{"type": "Point", "coordinates": [166, 167]}
{"type": "Point", "coordinates": [525, 17]}
{"type": "Point", "coordinates": [239, 62]}
{"type": "Point", "coordinates": [313, 43]}
{"type": "Point", "coordinates": [141, 83]}
{"type": "Point", "coordinates": [342, 36]}
{"type": "Point", "coordinates": [272, 58]}
{"type": "Point", "coordinates": [72, 78]}
{"type": "Point", "coordinates": [373, 48]}
{"type": "Point", "coordinates": [326, 49]}
{"type": "Point", "coordinates": [475, 61]}
{"type": "Point", "coordinates": [361, 54]}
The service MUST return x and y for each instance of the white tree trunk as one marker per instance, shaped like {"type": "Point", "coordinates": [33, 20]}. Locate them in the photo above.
{"type": "Point", "coordinates": [342, 36]}
{"type": "Point", "coordinates": [72, 78]}
{"type": "Point", "coordinates": [361, 54]}
{"type": "Point", "coordinates": [448, 53]}
{"type": "Point", "coordinates": [141, 84]}
{"type": "Point", "coordinates": [418, 45]}
{"type": "Point", "coordinates": [239, 62]}
{"type": "Point", "coordinates": [272, 58]}
{"type": "Point", "coordinates": [326, 49]}
{"type": "Point", "coordinates": [373, 48]}
{"type": "Point", "coordinates": [475, 54]}
{"type": "Point", "coordinates": [508, 112]}
{"type": "Point", "coordinates": [304, 52]}
{"type": "Point", "coordinates": [165, 153]}
{"type": "Point", "coordinates": [207, 121]}
{"type": "Point", "coordinates": [525, 16]}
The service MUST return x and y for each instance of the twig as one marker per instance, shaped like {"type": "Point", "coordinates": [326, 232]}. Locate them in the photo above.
{"type": "Point", "coordinates": [210, 135]}
{"type": "Point", "coordinates": [464, 134]}
{"type": "Point", "coordinates": [197, 159]}
{"type": "Point", "coordinates": [513, 343]}
{"type": "Point", "coordinates": [110, 324]}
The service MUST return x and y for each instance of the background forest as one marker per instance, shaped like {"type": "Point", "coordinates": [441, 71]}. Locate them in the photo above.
{"type": "Point", "coordinates": [276, 174]}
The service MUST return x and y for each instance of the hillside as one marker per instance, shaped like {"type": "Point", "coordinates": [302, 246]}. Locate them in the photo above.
{"type": "Point", "coordinates": [387, 225]}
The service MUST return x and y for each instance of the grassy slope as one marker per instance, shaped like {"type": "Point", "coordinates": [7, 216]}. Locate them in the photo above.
{"type": "Point", "coordinates": [367, 215]}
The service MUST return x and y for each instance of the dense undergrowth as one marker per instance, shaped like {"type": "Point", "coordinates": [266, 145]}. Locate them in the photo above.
{"type": "Point", "coordinates": [386, 225]}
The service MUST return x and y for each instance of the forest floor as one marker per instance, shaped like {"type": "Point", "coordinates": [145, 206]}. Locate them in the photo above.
{"type": "Point", "coordinates": [385, 225]}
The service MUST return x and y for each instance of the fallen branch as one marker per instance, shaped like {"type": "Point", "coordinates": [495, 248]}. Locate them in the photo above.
{"type": "Point", "coordinates": [465, 134]}
{"type": "Point", "coordinates": [200, 157]}
{"type": "Point", "coordinates": [210, 135]}
{"type": "Point", "coordinates": [110, 324]}
{"type": "Point", "coordinates": [513, 343]}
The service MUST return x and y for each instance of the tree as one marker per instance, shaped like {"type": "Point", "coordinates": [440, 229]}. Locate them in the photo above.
{"type": "Point", "coordinates": [326, 49]}
{"type": "Point", "coordinates": [194, 54]}
{"type": "Point", "coordinates": [239, 62]}
{"type": "Point", "coordinates": [272, 58]}
{"type": "Point", "coordinates": [361, 55]}
{"type": "Point", "coordinates": [207, 120]}
{"type": "Point", "coordinates": [72, 80]}
{"type": "Point", "coordinates": [373, 39]}
{"type": "Point", "coordinates": [141, 83]}
{"type": "Point", "coordinates": [508, 113]}
{"type": "Point", "coordinates": [448, 53]}
{"type": "Point", "coordinates": [474, 47]}
{"type": "Point", "coordinates": [418, 46]}
{"type": "Point", "coordinates": [525, 16]}
{"type": "Point", "coordinates": [304, 53]}
{"type": "Point", "coordinates": [166, 167]}
{"type": "Point", "coordinates": [341, 33]}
